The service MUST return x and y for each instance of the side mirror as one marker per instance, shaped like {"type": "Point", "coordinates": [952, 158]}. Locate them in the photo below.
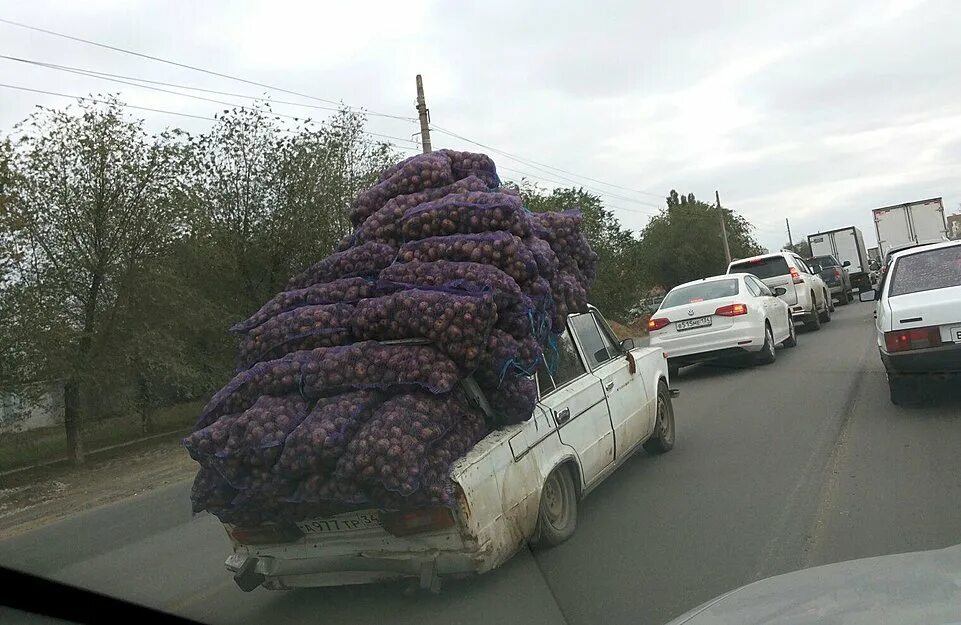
{"type": "Point", "coordinates": [867, 296]}
{"type": "Point", "coordinates": [627, 345]}
{"type": "Point", "coordinates": [846, 263]}
{"type": "Point", "coordinates": [779, 291]}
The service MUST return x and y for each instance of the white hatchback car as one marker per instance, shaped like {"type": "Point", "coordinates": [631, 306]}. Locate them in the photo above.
{"type": "Point", "coordinates": [919, 317]}
{"type": "Point", "coordinates": [722, 316]}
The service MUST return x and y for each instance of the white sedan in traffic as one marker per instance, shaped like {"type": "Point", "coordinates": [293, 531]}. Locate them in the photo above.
{"type": "Point", "coordinates": [719, 317]}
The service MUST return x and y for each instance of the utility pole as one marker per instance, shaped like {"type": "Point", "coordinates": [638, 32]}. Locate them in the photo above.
{"type": "Point", "coordinates": [790, 241]}
{"type": "Point", "coordinates": [720, 215]}
{"type": "Point", "coordinates": [424, 113]}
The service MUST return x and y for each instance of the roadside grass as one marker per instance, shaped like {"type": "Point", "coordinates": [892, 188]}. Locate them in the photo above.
{"type": "Point", "coordinates": [41, 445]}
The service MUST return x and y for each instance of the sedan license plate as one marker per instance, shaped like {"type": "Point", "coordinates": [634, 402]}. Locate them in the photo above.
{"type": "Point", "coordinates": [688, 324]}
{"type": "Point", "coordinates": [345, 523]}
{"type": "Point", "coordinates": [955, 333]}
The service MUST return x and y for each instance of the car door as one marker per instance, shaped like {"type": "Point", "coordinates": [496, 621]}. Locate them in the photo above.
{"type": "Point", "coordinates": [626, 396]}
{"type": "Point", "coordinates": [812, 280]}
{"type": "Point", "coordinates": [777, 312]}
{"type": "Point", "coordinates": [575, 399]}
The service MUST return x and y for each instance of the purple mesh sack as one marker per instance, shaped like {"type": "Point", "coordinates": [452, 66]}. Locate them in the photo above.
{"type": "Point", "coordinates": [418, 173]}
{"type": "Point", "coordinates": [514, 400]}
{"type": "Point", "coordinates": [500, 249]}
{"type": "Point", "coordinates": [471, 163]}
{"type": "Point", "coordinates": [390, 450]}
{"type": "Point", "coordinates": [504, 357]}
{"type": "Point", "coordinates": [436, 487]}
{"type": "Point", "coordinates": [562, 230]}
{"type": "Point", "coordinates": [466, 213]}
{"type": "Point", "coordinates": [456, 324]}
{"type": "Point", "coordinates": [364, 260]}
{"type": "Point", "coordinates": [330, 490]}
{"type": "Point", "coordinates": [345, 290]}
{"type": "Point", "coordinates": [384, 225]}
{"type": "Point", "coordinates": [315, 445]}
{"type": "Point", "coordinates": [544, 256]}
{"type": "Point", "coordinates": [211, 492]}
{"type": "Point", "coordinates": [513, 307]}
{"type": "Point", "coordinates": [373, 365]}
{"type": "Point", "coordinates": [307, 327]}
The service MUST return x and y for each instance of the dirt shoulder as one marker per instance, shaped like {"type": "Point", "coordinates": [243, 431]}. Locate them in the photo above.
{"type": "Point", "coordinates": [37, 498]}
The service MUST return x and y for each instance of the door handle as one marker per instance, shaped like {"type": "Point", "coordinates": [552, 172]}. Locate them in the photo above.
{"type": "Point", "coordinates": [609, 385]}
{"type": "Point", "coordinates": [563, 416]}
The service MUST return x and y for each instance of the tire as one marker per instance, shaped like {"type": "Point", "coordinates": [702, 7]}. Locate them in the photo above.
{"type": "Point", "coordinates": [791, 340]}
{"type": "Point", "coordinates": [904, 391]}
{"type": "Point", "coordinates": [767, 355]}
{"type": "Point", "coordinates": [843, 299]}
{"type": "Point", "coordinates": [557, 513]}
{"type": "Point", "coordinates": [813, 322]}
{"type": "Point", "coordinates": [825, 315]}
{"type": "Point", "coordinates": [662, 441]}
{"type": "Point", "coordinates": [850, 295]}
{"type": "Point", "coordinates": [829, 300]}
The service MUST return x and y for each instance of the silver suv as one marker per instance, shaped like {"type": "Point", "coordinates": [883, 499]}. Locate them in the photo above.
{"type": "Point", "coordinates": [806, 294]}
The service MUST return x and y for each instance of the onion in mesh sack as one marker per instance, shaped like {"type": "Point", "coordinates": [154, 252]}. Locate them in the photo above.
{"type": "Point", "coordinates": [424, 171]}
{"type": "Point", "coordinates": [500, 249]}
{"type": "Point", "coordinates": [315, 445]}
{"type": "Point", "coordinates": [544, 256]}
{"type": "Point", "coordinates": [210, 491]}
{"type": "Point", "coordinates": [456, 324]}
{"type": "Point", "coordinates": [306, 327]}
{"type": "Point", "coordinates": [363, 260]}
{"type": "Point", "coordinates": [513, 307]}
{"type": "Point", "coordinates": [514, 400]}
{"type": "Point", "coordinates": [384, 225]}
{"type": "Point", "coordinates": [562, 230]}
{"type": "Point", "coordinates": [345, 290]}
{"type": "Point", "coordinates": [436, 486]}
{"type": "Point", "coordinates": [504, 357]}
{"type": "Point", "coordinates": [472, 163]}
{"type": "Point", "coordinates": [391, 448]}
{"type": "Point", "coordinates": [466, 213]}
{"type": "Point", "coordinates": [328, 370]}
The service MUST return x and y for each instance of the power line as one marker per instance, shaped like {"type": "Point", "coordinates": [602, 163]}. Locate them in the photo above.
{"type": "Point", "coordinates": [107, 75]}
{"type": "Point", "coordinates": [528, 161]}
{"type": "Point", "coordinates": [192, 67]}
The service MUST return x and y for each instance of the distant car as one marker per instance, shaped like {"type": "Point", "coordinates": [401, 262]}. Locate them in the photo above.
{"type": "Point", "coordinates": [835, 275]}
{"type": "Point", "coordinates": [919, 317]}
{"type": "Point", "coordinates": [804, 290]}
{"type": "Point", "coordinates": [722, 316]}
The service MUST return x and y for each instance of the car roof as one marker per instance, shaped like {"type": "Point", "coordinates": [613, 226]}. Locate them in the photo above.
{"type": "Point", "coordinates": [762, 256]}
{"type": "Point", "coordinates": [717, 278]}
{"type": "Point", "coordinates": [924, 247]}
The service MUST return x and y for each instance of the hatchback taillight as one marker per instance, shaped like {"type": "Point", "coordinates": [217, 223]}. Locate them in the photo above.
{"type": "Point", "coordinates": [657, 324]}
{"type": "Point", "coordinates": [796, 276]}
{"type": "Point", "coordinates": [731, 310]}
{"type": "Point", "coordinates": [916, 338]}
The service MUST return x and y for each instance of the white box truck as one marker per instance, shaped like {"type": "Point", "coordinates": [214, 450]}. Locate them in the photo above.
{"type": "Point", "coordinates": [908, 224]}
{"type": "Point", "coordinates": [846, 245]}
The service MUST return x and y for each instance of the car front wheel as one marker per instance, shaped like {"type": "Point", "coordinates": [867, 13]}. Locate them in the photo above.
{"type": "Point", "coordinates": [662, 441]}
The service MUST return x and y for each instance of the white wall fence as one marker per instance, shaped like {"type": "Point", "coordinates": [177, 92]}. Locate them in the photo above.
{"type": "Point", "coordinates": [44, 408]}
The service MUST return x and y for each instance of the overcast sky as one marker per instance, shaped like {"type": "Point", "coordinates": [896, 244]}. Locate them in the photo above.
{"type": "Point", "coordinates": [817, 110]}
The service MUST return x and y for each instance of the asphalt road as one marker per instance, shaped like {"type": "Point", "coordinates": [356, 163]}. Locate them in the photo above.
{"type": "Point", "coordinates": [795, 464]}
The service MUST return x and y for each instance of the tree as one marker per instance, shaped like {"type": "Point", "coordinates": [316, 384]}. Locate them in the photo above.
{"type": "Point", "coordinates": [91, 201]}
{"type": "Point", "coordinates": [618, 282]}
{"type": "Point", "coordinates": [801, 248]}
{"type": "Point", "coordinates": [683, 242]}
{"type": "Point", "coordinates": [271, 198]}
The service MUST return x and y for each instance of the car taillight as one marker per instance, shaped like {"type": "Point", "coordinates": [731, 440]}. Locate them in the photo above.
{"type": "Point", "coordinates": [796, 276]}
{"type": "Point", "coordinates": [731, 310]}
{"type": "Point", "coordinates": [265, 534]}
{"type": "Point", "coordinates": [657, 324]}
{"type": "Point", "coordinates": [837, 274]}
{"type": "Point", "coordinates": [417, 521]}
{"type": "Point", "coordinates": [916, 338]}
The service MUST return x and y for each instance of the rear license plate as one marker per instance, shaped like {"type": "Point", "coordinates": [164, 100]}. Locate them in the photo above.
{"type": "Point", "coordinates": [344, 523]}
{"type": "Point", "coordinates": [955, 333]}
{"type": "Point", "coordinates": [688, 324]}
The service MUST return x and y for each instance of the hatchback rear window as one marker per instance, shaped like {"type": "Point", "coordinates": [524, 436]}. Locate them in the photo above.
{"type": "Point", "coordinates": [769, 267]}
{"type": "Point", "coordinates": [927, 271]}
{"type": "Point", "coordinates": [700, 292]}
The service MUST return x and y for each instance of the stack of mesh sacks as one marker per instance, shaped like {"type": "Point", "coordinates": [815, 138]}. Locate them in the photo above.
{"type": "Point", "coordinates": [348, 392]}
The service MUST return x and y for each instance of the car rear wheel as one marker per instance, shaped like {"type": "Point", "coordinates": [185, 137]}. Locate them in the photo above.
{"type": "Point", "coordinates": [767, 355]}
{"type": "Point", "coordinates": [813, 322]}
{"type": "Point", "coordinates": [662, 441]}
{"type": "Point", "coordinates": [557, 515]}
{"type": "Point", "coordinates": [829, 300]}
{"type": "Point", "coordinates": [791, 340]}
{"type": "Point", "coordinates": [825, 315]}
{"type": "Point", "coordinates": [843, 299]}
